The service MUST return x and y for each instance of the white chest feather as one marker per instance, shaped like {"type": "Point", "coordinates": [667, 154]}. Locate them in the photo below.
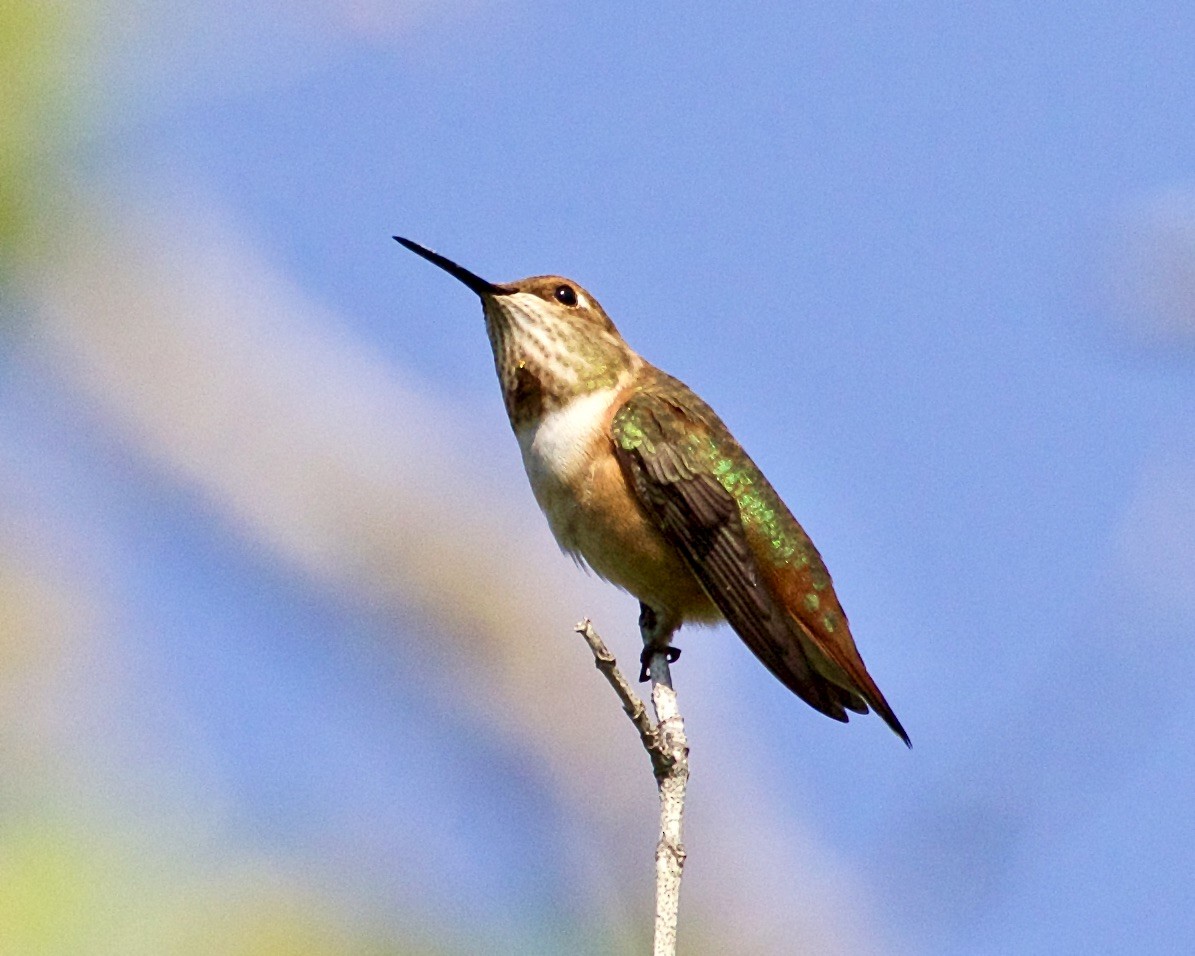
{"type": "Point", "coordinates": [592, 511]}
{"type": "Point", "coordinates": [560, 447]}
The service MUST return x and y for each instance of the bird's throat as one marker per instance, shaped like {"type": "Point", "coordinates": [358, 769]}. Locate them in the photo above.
{"type": "Point", "coordinates": [544, 362]}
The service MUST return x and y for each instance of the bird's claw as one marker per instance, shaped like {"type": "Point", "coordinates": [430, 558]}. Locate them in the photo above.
{"type": "Point", "coordinates": [671, 655]}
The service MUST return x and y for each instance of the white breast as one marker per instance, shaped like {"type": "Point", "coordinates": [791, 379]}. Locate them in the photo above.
{"type": "Point", "coordinates": [560, 445]}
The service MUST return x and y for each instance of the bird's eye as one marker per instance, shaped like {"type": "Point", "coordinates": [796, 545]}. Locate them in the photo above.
{"type": "Point", "coordinates": [565, 295]}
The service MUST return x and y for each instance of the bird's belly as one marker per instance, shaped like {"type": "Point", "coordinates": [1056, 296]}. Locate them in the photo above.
{"type": "Point", "coordinates": [594, 515]}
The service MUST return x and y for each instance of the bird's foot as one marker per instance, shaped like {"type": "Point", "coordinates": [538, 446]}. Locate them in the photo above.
{"type": "Point", "coordinates": [671, 655]}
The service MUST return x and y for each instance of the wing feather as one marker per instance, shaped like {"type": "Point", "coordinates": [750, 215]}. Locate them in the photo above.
{"type": "Point", "coordinates": [701, 518]}
{"type": "Point", "coordinates": [785, 610]}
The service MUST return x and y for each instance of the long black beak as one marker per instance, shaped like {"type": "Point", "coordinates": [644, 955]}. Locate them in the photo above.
{"type": "Point", "coordinates": [475, 282]}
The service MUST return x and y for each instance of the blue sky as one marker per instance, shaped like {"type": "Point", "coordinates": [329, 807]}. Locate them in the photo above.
{"type": "Point", "coordinates": [909, 255]}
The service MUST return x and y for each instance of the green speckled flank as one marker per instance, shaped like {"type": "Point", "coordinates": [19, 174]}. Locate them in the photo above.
{"type": "Point", "coordinates": [762, 511]}
{"type": "Point", "coordinates": [707, 447]}
{"type": "Point", "coordinates": [631, 434]}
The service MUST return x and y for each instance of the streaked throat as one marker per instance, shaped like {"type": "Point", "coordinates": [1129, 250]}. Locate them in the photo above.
{"type": "Point", "coordinates": [543, 359]}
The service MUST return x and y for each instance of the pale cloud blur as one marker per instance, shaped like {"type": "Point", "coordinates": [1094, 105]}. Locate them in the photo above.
{"type": "Point", "coordinates": [52, 617]}
{"type": "Point", "coordinates": [1155, 544]}
{"type": "Point", "coordinates": [383, 21]}
{"type": "Point", "coordinates": [112, 844]}
{"type": "Point", "coordinates": [158, 55]}
{"type": "Point", "coordinates": [1153, 274]}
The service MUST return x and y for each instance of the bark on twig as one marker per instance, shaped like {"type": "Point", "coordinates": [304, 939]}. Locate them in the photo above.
{"type": "Point", "coordinates": [668, 749]}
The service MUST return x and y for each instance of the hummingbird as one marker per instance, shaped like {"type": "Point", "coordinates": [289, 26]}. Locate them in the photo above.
{"type": "Point", "coordinates": [641, 481]}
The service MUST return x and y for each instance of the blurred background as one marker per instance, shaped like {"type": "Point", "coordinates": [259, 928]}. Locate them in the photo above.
{"type": "Point", "coordinates": [286, 662]}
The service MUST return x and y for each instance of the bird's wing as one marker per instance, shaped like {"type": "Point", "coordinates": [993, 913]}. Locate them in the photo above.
{"type": "Point", "coordinates": [664, 449]}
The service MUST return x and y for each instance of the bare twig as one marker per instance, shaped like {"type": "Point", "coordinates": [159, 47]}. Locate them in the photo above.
{"type": "Point", "coordinates": [634, 708]}
{"type": "Point", "coordinates": [670, 851]}
{"type": "Point", "coordinates": [668, 748]}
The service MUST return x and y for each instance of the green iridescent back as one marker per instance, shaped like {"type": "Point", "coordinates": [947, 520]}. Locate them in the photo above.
{"type": "Point", "coordinates": [667, 417]}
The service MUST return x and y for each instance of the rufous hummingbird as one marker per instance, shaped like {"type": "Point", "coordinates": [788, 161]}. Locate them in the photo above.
{"type": "Point", "coordinates": [641, 481]}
